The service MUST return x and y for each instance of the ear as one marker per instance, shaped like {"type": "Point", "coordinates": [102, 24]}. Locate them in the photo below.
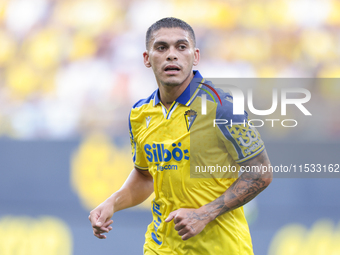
{"type": "Point", "coordinates": [196, 57]}
{"type": "Point", "coordinates": [146, 59]}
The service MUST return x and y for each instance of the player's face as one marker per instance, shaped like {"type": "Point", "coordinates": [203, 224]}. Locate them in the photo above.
{"type": "Point", "coordinates": [171, 55]}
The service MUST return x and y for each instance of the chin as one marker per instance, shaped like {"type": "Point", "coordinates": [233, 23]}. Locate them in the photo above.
{"type": "Point", "coordinates": [172, 82]}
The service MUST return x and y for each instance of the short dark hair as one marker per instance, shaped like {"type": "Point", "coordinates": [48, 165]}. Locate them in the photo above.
{"type": "Point", "coordinates": [169, 23]}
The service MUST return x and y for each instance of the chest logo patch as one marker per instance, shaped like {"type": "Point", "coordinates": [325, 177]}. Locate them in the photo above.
{"type": "Point", "coordinates": [190, 116]}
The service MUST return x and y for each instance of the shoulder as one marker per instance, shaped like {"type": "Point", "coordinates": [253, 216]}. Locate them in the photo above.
{"type": "Point", "coordinates": [146, 101]}
{"type": "Point", "coordinates": [140, 108]}
{"type": "Point", "coordinates": [225, 103]}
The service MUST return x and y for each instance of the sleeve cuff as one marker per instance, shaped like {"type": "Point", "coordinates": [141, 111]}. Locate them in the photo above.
{"type": "Point", "coordinates": [142, 168]}
{"type": "Point", "coordinates": [250, 156]}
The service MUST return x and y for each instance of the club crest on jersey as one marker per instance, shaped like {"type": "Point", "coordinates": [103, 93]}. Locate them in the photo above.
{"type": "Point", "coordinates": [190, 116]}
{"type": "Point", "coordinates": [147, 119]}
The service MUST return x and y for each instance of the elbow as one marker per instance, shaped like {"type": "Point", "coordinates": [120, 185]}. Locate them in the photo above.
{"type": "Point", "coordinates": [267, 177]}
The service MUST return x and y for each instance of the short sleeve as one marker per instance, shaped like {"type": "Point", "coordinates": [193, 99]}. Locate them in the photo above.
{"type": "Point", "coordinates": [137, 153]}
{"type": "Point", "coordinates": [242, 141]}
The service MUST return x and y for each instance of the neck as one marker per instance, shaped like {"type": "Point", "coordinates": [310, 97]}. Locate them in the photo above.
{"type": "Point", "coordinates": [168, 94]}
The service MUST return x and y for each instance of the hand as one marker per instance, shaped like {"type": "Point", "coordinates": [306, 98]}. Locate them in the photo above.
{"type": "Point", "coordinates": [189, 222]}
{"type": "Point", "coordinates": [100, 219]}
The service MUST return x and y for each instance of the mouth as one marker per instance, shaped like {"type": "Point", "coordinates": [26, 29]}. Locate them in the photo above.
{"type": "Point", "coordinates": [171, 69]}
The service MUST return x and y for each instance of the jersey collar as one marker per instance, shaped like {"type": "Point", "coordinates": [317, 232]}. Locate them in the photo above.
{"type": "Point", "coordinates": [189, 94]}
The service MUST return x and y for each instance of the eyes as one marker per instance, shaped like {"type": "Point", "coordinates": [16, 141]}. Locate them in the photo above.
{"type": "Point", "coordinates": [160, 48]}
{"type": "Point", "coordinates": [182, 47]}
{"type": "Point", "coordinates": [164, 48]}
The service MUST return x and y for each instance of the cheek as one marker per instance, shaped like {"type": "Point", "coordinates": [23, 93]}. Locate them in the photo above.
{"type": "Point", "coordinates": [189, 59]}
{"type": "Point", "coordinates": [189, 56]}
{"type": "Point", "coordinates": [155, 62]}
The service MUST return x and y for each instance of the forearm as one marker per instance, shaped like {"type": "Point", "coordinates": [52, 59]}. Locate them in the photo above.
{"type": "Point", "coordinates": [136, 189]}
{"type": "Point", "coordinates": [243, 190]}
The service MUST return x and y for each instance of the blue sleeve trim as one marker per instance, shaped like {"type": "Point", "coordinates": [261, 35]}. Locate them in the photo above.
{"type": "Point", "coordinates": [229, 137]}
{"type": "Point", "coordinates": [132, 140]}
{"type": "Point", "coordinates": [254, 155]}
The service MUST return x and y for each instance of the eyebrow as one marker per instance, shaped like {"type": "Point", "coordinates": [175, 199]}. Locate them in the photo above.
{"type": "Point", "coordinates": [165, 43]}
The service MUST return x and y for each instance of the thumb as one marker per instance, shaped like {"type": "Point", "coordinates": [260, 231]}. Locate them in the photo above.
{"type": "Point", "coordinates": [101, 220]}
{"type": "Point", "coordinates": [171, 216]}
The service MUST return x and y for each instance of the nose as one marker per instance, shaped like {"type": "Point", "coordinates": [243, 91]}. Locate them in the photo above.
{"type": "Point", "coordinates": [172, 54]}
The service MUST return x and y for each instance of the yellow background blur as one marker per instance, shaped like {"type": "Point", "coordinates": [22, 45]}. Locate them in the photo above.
{"type": "Point", "coordinates": [72, 69]}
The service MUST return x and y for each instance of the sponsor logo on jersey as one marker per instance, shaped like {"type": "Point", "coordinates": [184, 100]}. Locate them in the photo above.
{"type": "Point", "coordinates": [157, 153]}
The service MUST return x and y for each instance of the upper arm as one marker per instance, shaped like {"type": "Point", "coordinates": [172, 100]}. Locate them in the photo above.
{"type": "Point", "coordinates": [146, 173]}
{"type": "Point", "coordinates": [258, 167]}
{"type": "Point", "coordinates": [145, 180]}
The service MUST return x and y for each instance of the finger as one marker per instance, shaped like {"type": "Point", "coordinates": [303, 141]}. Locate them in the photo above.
{"type": "Point", "coordinates": [107, 224]}
{"type": "Point", "coordinates": [179, 226]}
{"type": "Point", "coordinates": [98, 232]}
{"type": "Point", "coordinates": [187, 236]}
{"type": "Point", "coordinates": [98, 235]}
{"type": "Point", "coordinates": [101, 220]}
{"type": "Point", "coordinates": [104, 230]}
{"type": "Point", "coordinates": [105, 227]}
{"type": "Point", "coordinates": [93, 218]}
{"type": "Point", "coordinates": [171, 216]}
{"type": "Point", "coordinates": [183, 231]}
{"type": "Point", "coordinates": [177, 219]}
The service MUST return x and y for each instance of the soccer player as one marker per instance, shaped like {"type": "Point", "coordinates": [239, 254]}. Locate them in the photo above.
{"type": "Point", "coordinates": [194, 211]}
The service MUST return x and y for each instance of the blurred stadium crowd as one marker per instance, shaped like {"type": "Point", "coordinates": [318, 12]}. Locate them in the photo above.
{"type": "Point", "coordinates": [68, 67]}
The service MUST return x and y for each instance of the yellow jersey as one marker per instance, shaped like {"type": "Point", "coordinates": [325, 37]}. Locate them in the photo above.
{"type": "Point", "coordinates": [186, 154]}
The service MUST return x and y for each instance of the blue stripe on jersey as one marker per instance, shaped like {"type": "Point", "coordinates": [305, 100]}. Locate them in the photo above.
{"type": "Point", "coordinates": [227, 135]}
{"type": "Point", "coordinates": [130, 129]}
{"type": "Point", "coordinates": [133, 139]}
{"type": "Point", "coordinates": [134, 155]}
